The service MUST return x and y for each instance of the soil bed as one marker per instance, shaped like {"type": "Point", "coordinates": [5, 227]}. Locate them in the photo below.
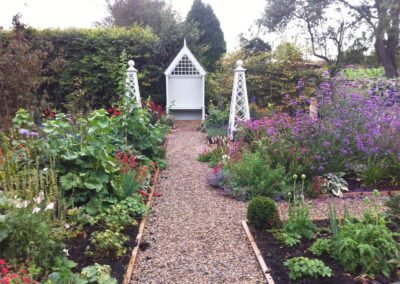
{"type": "Point", "coordinates": [357, 186]}
{"type": "Point", "coordinates": [77, 247]}
{"type": "Point", "coordinates": [275, 254]}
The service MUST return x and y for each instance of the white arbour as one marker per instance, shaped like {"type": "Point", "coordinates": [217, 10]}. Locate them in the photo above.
{"type": "Point", "coordinates": [239, 103]}
{"type": "Point", "coordinates": [185, 84]}
{"type": "Point", "coordinates": [132, 84]}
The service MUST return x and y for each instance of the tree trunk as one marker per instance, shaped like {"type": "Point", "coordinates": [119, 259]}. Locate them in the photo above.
{"type": "Point", "coordinates": [387, 56]}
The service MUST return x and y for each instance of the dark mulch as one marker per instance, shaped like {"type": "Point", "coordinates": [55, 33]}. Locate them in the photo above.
{"type": "Point", "coordinates": [275, 254]}
{"type": "Point", "coordinates": [77, 247]}
{"type": "Point", "coordinates": [358, 186]}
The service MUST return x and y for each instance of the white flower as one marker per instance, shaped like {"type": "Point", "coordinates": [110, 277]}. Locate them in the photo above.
{"type": "Point", "coordinates": [18, 204]}
{"type": "Point", "coordinates": [40, 198]}
{"type": "Point", "coordinates": [45, 169]}
{"type": "Point", "coordinates": [67, 226]}
{"type": "Point", "coordinates": [35, 210]}
{"type": "Point", "coordinates": [66, 252]}
{"type": "Point", "coordinates": [50, 206]}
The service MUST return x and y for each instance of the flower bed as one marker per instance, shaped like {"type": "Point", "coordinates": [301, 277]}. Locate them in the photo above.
{"type": "Point", "coordinates": [81, 185]}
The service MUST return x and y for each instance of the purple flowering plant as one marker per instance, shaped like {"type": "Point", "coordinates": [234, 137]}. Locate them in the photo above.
{"type": "Point", "coordinates": [354, 126]}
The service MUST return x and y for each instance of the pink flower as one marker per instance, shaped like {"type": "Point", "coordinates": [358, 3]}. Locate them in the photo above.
{"type": "Point", "coordinates": [2, 262]}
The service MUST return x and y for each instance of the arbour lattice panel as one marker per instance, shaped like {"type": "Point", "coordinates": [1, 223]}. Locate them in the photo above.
{"type": "Point", "coordinates": [185, 67]}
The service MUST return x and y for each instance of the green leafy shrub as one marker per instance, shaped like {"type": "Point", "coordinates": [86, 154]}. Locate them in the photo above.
{"type": "Point", "coordinates": [216, 118]}
{"type": "Point", "coordinates": [365, 248]}
{"type": "Point", "coordinates": [212, 157]}
{"type": "Point", "coordinates": [263, 213]}
{"type": "Point", "coordinates": [108, 242]}
{"type": "Point", "coordinates": [303, 267]}
{"type": "Point", "coordinates": [254, 173]}
{"type": "Point", "coordinates": [321, 246]}
{"type": "Point", "coordinates": [30, 235]}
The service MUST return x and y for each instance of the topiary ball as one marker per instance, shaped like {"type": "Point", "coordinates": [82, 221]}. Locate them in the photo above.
{"type": "Point", "coordinates": [263, 213]}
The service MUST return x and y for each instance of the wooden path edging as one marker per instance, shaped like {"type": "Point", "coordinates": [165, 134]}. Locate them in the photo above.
{"type": "Point", "coordinates": [135, 252]}
{"type": "Point", "coordinates": [264, 267]}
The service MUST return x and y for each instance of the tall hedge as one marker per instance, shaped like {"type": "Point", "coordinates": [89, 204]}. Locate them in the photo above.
{"type": "Point", "coordinates": [92, 58]}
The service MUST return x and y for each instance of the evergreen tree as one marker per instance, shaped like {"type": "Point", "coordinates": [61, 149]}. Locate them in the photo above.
{"type": "Point", "coordinates": [211, 34]}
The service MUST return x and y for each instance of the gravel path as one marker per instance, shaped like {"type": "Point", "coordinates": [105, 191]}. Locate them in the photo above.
{"type": "Point", "coordinates": [194, 234]}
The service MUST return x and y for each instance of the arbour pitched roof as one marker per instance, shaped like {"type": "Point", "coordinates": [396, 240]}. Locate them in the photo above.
{"type": "Point", "coordinates": [185, 64]}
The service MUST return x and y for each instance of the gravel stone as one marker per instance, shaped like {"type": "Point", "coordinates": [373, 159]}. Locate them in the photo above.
{"type": "Point", "coordinates": [196, 235]}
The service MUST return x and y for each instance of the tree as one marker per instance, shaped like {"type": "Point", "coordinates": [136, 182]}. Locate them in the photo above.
{"type": "Point", "coordinates": [383, 18]}
{"type": "Point", "coordinates": [314, 17]}
{"type": "Point", "coordinates": [254, 45]}
{"type": "Point", "coordinates": [21, 66]}
{"type": "Point", "coordinates": [152, 13]}
{"type": "Point", "coordinates": [211, 34]}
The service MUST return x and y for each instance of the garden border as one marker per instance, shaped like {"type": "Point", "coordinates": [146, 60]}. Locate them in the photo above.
{"type": "Point", "coordinates": [353, 193]}
{"type": "Point", "coordinates": [135, 251]}
{"type": "Point", "coordinates": [264, 267]}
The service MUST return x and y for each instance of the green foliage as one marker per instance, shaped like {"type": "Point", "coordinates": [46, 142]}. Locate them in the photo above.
{"type": "Point", "coordinates": [216, 117]}
{"type": "Point", "coordinates": [253, 172]}
{"type": "Point", "coordinates": [108, 242]}
{"type": "Point", "coordinates": [363, 73]}
{"type": "Point", "coordinates": [268, 80]}
{"type": "Point", "coordinates": [211, 35]}
{"type": "Point", "coordinates": [92, 74]}
{"type": "Point", "coordinates": [22, 68]}
{"type": "Point", "coordinates": [303, 267]}
{"type": "Point", "coordinates": [216, 132]}
{"type": "Point", "coordinates": [289, 239]}
{"type": "Point", "coordinates": [212, 157]}
{"type": "Point", "coordinates": [288, 53]}
{"type": "Point", "coordinates": [263, 213]}
{"type": "Point", "coordinates": [393, 210]}
{"type": "Point", "coordinates": [299, 221]}
{"type": "Point", "coordinates": [321, 246]}
{"type": "Point", "coordinates": [99, 274]}
{"type": "Point", "coordinates": [30, 236]}
{"type": "Point", "coordinates": [365, 248]}
{"type": "Point", "coordinates": [374, 170]}
{"type": "Point", "coordinates": [335, 183]}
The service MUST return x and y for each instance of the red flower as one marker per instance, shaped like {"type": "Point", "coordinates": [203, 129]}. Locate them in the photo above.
{"type": "Point", "coordinates": [144, 194]}
{"type": "Point", "coordinates": [27, 280]}
{"type": "Point", "coordinates": [2, 262]}
{"type": "Point", "coordinates": [13, 276]}
{"type": "Point", "coordinates": [23, 271]}
{"type": "Point", "coordinates": [5, 281]}
{"type": "Point", "coordinates": [216, 170]}
{"type": "Point", "coordinates": [4, 270]}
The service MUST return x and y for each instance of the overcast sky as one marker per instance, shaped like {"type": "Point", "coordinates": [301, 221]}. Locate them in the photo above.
{"type": "Point", "coordinates": [236, 16]}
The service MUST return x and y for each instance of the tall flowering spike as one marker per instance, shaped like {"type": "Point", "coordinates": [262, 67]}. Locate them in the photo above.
{"type": "Point", "coordinates": [132, 84]}
{"type": "Point", "coordinates": [239, 102]}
